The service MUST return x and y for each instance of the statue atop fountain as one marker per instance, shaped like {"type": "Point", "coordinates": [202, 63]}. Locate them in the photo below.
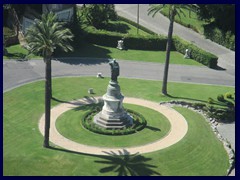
{"type": "Point", "coordinates": [113, 116]}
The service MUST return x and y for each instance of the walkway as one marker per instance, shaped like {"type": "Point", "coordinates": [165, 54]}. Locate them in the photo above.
{"type": "Point", "coordinates": [178, 129]}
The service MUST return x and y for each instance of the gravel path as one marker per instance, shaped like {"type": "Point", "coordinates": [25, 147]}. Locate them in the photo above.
{"type": "Point", "coordinates": [179, 128]}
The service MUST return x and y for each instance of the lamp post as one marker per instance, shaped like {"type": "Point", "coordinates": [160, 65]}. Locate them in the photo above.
{"type": "Point", "coordinates": [137, 18]}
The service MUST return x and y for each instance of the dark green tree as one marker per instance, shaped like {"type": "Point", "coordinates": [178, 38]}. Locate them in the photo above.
{"type": "Point", "coordinates": [98, 15]}
{"type": "Point", "coordinates": [173, 9]}
{"type": "Point", "coordinates": [217, 14]}
{"type": "Point", "coordinates": [43, 38]}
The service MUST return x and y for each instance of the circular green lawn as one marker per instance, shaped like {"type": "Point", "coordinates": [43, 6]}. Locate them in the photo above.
{"type": "Point", "coordinates": [69, 125]}
{"type": "Point", "coordinates": [198, 153]}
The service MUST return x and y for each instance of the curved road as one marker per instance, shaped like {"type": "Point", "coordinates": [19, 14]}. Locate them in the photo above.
{"type": "Point", "coordinates": [16, 73]}
{"type": "Point", "coordinates": [159, 24]}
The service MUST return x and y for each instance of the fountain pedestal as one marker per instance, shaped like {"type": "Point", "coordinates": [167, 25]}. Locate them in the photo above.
{"type": "Point", "coordinates": [113, 116]}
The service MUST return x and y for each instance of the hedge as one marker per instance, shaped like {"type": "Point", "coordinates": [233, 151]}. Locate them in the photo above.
{"type": "Point", "coordinates": [226, 39]}
{"type": "Point", "coordinates": [196, 53]}
{"type": "Point", "coordinates": [105, 38]}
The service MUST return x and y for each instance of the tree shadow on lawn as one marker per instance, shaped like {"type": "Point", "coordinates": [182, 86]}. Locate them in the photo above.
{"type": "Point", "coordinates": [87, 54]}
{"type": "Point", "coordinates": [122, 162]}
{"type": "Point", "coordinates": [117, 27]}
{"type": "Point", "coordinates": [185, 98]}
{"type": "Point", "coordinates": [153, 128]}
{"type": "Point", "coordinates": [20, 56]}
{"type": "Point", "coordinates": [84, 101]}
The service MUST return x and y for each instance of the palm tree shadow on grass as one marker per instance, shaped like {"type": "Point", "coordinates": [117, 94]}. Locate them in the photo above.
{"type": "Point", "coordinates": [123, 163]}
{"type": "Point", "coordinates": [126, 164]}
{"type": "Point", "coordinates": [185, 98]}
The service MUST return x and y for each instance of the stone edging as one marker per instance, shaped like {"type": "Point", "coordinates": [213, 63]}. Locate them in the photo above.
{"type": "Point", "coordinates": [213, 123]}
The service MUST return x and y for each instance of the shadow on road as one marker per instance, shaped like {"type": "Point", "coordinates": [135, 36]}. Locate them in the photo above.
{"type": "Point", "coordinates": [219, 68]}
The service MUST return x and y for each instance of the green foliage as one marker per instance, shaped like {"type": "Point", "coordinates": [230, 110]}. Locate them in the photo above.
{"type": "Point", "coordinates": [139, 122]}
{"type": "Point", "coordinates": [219, 36]}
{"type": "Point", "coordinates": [220, 97]}
{"type": "Point", "coordinates": [218, 13]}
{"type": "Point", "coordinates": [196, 53]}
{"type": "Point", "coordinates": [199, 105]}
{"type": "Point", "coordinates": [98, 15]}
{"type": "Point", "coordinates": [105, 38]}
{"type": "Point", "coordinates": [47, 34]}
{"type": "Point", "coordinates": [7, 32]}
{"type": "Point", "coordinates": [222, 110]}
{"type": "Point", "coordinates": [229, 95]}
{"type": "Point", "coordinates": [210, 100]}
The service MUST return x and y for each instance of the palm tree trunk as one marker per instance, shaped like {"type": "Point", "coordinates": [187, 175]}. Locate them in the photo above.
{"type": "Point", "coordinates": [168, 50]}
{"type": "Point", "coordinates": [47, 101]}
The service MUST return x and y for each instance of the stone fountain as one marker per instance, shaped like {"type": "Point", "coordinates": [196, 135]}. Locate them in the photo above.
{"type": "Point", "coordinates": [113, 115]}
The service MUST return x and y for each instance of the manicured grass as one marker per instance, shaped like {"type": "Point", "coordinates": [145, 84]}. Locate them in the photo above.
{"type": "Point", "coordinates": [199, 153]}
{"type": "Point", "coordinates": [157, 127]}
{"type": "Point", "coordinates": [96, 51]}
{"type": "Point", "coordinates": [87, 50]}
{"type": "Point", "coordinates": [191, 21]}
{"type": "Point", "coordinates": [18, 52]}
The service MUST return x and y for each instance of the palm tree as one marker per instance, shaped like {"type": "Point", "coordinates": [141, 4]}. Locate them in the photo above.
{"type": "Point", "coordinates": [43, 37]}
{"type": "Point", "coordinates": [173, 10]}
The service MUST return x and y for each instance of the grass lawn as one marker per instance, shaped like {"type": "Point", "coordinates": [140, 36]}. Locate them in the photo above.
{"type": "Point", "coordinates": [18, 52]}
{"type": "Point", "coordinates": [96, 51]}
{"type": "Point", "coordinates": [188, 20]}
{"type": "Point", "coordinates": [199, 153]}
{"type": "Point", "coordinates": [87, 50]}
{"type": "Point", "coordinates": [157, 127]}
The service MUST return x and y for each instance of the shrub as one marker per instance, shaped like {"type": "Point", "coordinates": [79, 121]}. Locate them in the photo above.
{"type": "Point", "coordinates": [210, 100]}
{"type": "Point", "coordinates": [105, 38]}
{"type": "Point", "coordinates": [199, 105]}
{"type": "Point", "coordinates": [196, 53]}
{"type": "Point", "coordinates": [213, 33]}
{"type": "Point", "coordinates": [220, 97]}
{"type": "Point", "coordinates": [229, 95]}
{"type": "Point", "coordinates": [139, 123]}
{"type": "Point", "coordinates": [151, 42]}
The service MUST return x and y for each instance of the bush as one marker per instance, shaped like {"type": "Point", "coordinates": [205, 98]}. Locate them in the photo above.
{"type": "Point", "coordinates": [196, 53]}
{"type": "Point", "coordinates": [229, 95]}
{"type": "Point", "coordinates": [105, 38]}
{"type": "Point", "coordinates": [151, 42]}
{"type": "Point", "coordinates": [98, 15]}
{"type": "Point", "coordinates": [199, 105]}
{"type": "Point", "coordinates": [220, 97]}
{"type": "Point", "coordinates": [139, 122]}
{"type": "Point", "coordinates": [210, 100]}
{"type": "Point", "coordinates": [226, 39]}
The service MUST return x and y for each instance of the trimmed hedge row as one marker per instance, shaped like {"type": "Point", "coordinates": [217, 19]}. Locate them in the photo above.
{"type": "Point", "coordinates": [151, 42]}
{"type": "Point", "coordinates": [196, 53]}
{"type": "Point", "coordinates": [105, 38]}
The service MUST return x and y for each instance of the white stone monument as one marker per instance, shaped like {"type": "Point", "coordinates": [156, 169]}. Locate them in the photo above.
{"type": "Point", "coordinates": [120, 44]}
{"type": "Point", "coordinates": [113, 116]}
{"type": "Point", "coordinates": [187, 54]}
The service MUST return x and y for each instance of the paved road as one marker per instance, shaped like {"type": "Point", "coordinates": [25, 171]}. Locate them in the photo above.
{"type": "Point", "coordinates": [159, 24]}
{"type": "Point", "coordinates": [16, 73]}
